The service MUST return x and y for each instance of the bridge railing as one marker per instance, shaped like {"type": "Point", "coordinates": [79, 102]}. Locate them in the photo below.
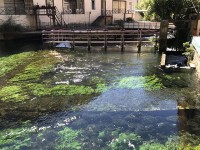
{"type": "Point", "coordinates": [142, 25]}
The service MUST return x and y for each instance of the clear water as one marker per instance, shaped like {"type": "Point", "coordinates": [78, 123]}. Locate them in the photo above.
{"type": "Point", "coordinates": [154, 115]}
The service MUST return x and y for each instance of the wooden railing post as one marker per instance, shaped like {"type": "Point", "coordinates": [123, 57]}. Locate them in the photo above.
{"type": "Point", "coordinates": [89, 41]}
{"type": "Point", "coordinates": [122, 40]}
{"type": "Point", "coordinates": [73, 42]}
{"type": "Point", "coordinates": [105, 40]}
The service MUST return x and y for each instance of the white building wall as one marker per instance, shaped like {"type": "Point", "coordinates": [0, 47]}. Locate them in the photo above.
{"type": "Point", "coordinates": [130, 6]}
{"type": "Point", "coordinates": [39, 2]}
{"type": "Point", "coordinates": [24, 20]}
{"type": "Point", "coordinates": [1, 3]}
{"type": "Point", "coordinates": [89, 15]}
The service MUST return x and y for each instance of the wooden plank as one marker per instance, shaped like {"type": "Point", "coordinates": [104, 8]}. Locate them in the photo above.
{"type": "Point", "coordinates": [95, 42]}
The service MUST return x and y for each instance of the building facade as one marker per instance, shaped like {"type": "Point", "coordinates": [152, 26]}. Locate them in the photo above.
{"type": "Point", "coordinates": [51, 12]}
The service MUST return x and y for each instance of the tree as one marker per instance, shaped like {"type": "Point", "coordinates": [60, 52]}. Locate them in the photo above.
{"type": "Point", "coordinates": [168, 9]}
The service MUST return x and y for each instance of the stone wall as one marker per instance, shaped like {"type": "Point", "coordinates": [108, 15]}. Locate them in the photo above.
{"type": "Point", "coordinates": [196, 62]}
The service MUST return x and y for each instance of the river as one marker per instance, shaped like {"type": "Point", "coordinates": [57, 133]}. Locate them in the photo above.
{"type": "Point", "coordinates": [142, 107]}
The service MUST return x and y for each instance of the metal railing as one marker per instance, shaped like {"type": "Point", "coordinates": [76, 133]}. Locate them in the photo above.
{"type": "Point", "coordinates": [142, 25]}
{"type": "Point", "coordinates": [73, 11]}
{"type": "Point", "coordinates": [15, 11]}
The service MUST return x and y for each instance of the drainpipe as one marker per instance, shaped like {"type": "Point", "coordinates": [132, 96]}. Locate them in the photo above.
{"type": "Point", "coordinates": [105, 12]}
{"type": "Point", "coordinates": [198, 21]}
{"type": "Point", "coordinates": [125, 12]}
{"type": "Point", "coordinates": [89, 17]}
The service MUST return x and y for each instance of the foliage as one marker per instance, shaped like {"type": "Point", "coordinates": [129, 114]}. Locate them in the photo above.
{"type": "Point", "coordinates": [125, 141]}
{"type": "Point", "coordinates": [147, 82]}
{"type": "Point", "coordinates": [68, 139]}
{"type": "Point", "coordinates": [10, 26]}
{"type": "Point", "coordinates": [129, 19]}
{"type": "Point", "coordinates": [168, 9]}
{"type": "Point", "coordinates": [189, 50]}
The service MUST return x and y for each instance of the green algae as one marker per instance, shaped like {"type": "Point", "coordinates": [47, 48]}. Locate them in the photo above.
{"type": "Point", "coordinates": [68, 139]}
{"type": "Point", "coordinates": [99, 84]}
{"type": "Point", "coordinates": [13, 93]}
{"type": "Point", "coordinates": [38, 89]}
{"type": "Point", "coordinates": [71, 90]}
{"type": "Point", "coordinates": [25, 84]}
{"type": "Point", "coordinates": [15, 139]}
{"type": "Point", "coordinates": [59, 90]}
{"type": "Point", "coordinates": [125, 141]}
{"type": "Point", "coordinates": [33, 72]}
{"type": "Point", "coordinates": [10, 63]}
{"type": "Point", "coordinates": [147, 82]}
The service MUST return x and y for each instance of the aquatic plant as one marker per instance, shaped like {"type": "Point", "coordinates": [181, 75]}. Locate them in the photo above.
{"type": "Point", "coordinates": [125, 141]}
{"type": "Point", "coordinates": [99, 84]}
{"type": "Point", "coordinates": [101, 88]}
{"type": "Point", "coordinates": [15, 139]}
{"type": "Point", "coordinates": [13, 93]}
{"type": "Point", "coordinates": [152, 146]}
{"type": "Point", "coordinates": [147, 82]}
{"type": "Point", "coordinates": [11, 62]}
{"type": "Point", "coordinates": [38, 89]}
{"type": "Point", "coordinates": [183, 142]}
{"type": "Point", "coordinates": [169, 80]}
{"type": "Point", "coordinates": [68, 139]}
{"type": "Point", "coordinates": [42, 63]}
{"type": "Point", "coordinates": [71, 90]}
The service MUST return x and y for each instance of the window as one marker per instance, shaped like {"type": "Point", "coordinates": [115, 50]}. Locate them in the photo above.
{"type": "Point", "coordinates": [28, 6]}
{"type": "Point", "coordinates": [130, 6]}
{"type": "Point", "coordinates": [50, 2]}
{"type": "Point", "coordinates": [93, 4]}
{"type": "Point", "coordinates": [16, 7]}
{"type": "Point", "coordinates": [73, 6]}
{"type": "Point", "coordinates": [118, 6]}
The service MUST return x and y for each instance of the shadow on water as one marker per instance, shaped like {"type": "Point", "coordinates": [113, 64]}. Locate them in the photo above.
{"type": "Point", "coordinates": [17, 46]}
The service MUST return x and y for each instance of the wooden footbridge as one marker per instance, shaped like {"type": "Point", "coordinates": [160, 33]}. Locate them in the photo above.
{"type": "Point", "coordinates": [101, 37]}
{"type": "Point", "coordinates": [129, 34]}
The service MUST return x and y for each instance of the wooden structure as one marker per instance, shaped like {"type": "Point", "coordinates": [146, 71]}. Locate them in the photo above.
{"type": "Point", "coordinates": [89, 37]}
{"type": "Point", "coordinates": [142, 25]}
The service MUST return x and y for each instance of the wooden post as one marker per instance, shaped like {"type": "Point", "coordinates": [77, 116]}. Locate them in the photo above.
{"type": "Point", "coordinates": [122, 40]}
{"type": "Point", "coordinates": [105, 21]}
{"type": "Point", "coordinates": [163, 36]}
{"type": "Point", "coordinates": [89, 41]}
{"type": "Point", "coordinates": [140, 34]}
{"type": "Point", "coordinates": [125, 12]}
{"type": "Point", "coordinates": [73, 42]}
{"type": "Point", "coordinates": [105, 40]}
{"type": "Point", "coordinates": [156, 43]}
{"type": "Point", "coordinates": [53, 16]}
